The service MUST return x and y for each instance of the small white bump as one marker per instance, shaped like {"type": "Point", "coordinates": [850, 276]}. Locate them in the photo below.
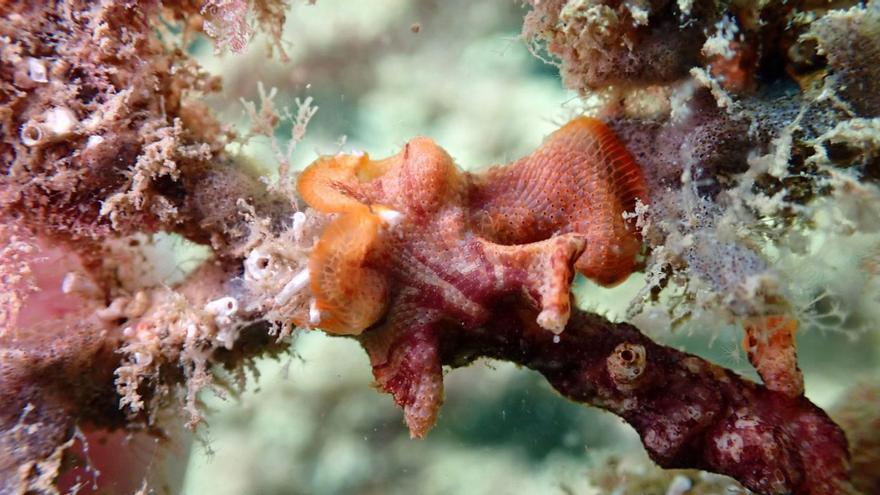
{"type": "Point", "coordinates": [68, 283]}
{"type": "Point", "coordinates": [60, 120]}
{"type": "Point", "coordinates": [314, 313]}
{"type": "Point", "coordinates": [94, 141]}
{"type": "Point", "coordinates": [299, 222]}
{"type": "Point", "coordinates": [74, 283]}
{"type": "Point", "coordinates": [679, 485]}
{"type": "Point", "coordinates": [224, 306]}
{"type": "Point", "coordinates": [256, 265]}
{"type": "Point", "coordinates": [32, 133]}
{"type": "Point", "coordinates": [143, 358]}
{"type": "Point", "coordinates": [389, 217]}
{"type": "Point", "coordinates": [37, 70]}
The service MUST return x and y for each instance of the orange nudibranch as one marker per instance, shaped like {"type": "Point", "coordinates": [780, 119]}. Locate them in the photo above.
{"type": "Point", "coordinates": [581, 180]}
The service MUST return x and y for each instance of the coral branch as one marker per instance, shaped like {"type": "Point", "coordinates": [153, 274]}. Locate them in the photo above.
{"type": "Point", "coordinates": [689, 412]}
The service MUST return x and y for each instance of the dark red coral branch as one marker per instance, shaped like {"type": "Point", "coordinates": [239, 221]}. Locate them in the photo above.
{"type": "Point", "coordinates": [690, 413]}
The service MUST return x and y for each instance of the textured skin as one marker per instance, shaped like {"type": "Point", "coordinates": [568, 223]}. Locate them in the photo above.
{"type": "Point", "coordinates": [565, 200]}
{"type": "Point", "coordinates": [581, 180]}
{"type": "Point", "coordinates": [481, 265]}
{"type": "Point", "coordinates": [770, 344]}
{"type": "Point", "coordinates": [349, 294]}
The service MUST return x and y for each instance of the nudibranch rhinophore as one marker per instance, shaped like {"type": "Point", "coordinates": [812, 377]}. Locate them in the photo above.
{"type": "Point", "coordinates": [427, 265]}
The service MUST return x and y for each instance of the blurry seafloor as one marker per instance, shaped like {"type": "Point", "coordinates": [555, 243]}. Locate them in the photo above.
{"type": "Point", "coordinates": [382, 72]}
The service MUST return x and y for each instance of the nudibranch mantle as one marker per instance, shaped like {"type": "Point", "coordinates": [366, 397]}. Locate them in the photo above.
{"type": "Point", "coordinates": [418, 244]}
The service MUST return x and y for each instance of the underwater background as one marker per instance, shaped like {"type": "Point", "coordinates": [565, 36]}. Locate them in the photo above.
{"type": "Point", "coordinates": [459, 71]}
{"type": "Point", "coordinates": [183, 311]}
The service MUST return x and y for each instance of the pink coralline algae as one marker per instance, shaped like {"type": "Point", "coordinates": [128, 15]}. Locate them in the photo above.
{"type": "Point", "coordinates": [428, 266]}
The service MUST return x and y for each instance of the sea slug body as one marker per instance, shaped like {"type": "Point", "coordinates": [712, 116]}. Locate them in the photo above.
{"type": "Point", "coordinates": [418, 244]}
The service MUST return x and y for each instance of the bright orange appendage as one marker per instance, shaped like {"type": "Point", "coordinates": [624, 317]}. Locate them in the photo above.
{"type": "Point", "coordinates": [349, 295]}
{"type": "Point", "coordinates": [326, 184]}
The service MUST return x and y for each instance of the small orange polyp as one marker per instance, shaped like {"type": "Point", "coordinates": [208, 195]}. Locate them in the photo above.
{"type": "Point", "coordinates": [770, 344]}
